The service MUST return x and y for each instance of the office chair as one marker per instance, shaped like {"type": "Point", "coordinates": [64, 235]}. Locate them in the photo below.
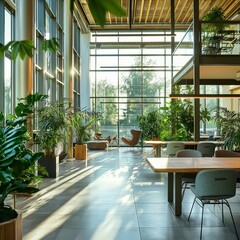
{"type": "Point", "coordinates": [206, 148]}
{"type": "Point", "coordinates": [188, 153]}
{"type": "Point", "coordinates": [214, 186]}
{"type": "Point", "coordinates": [173, 147]}
{"type": "Point", "coordinates": [188, 177]}
{"type": "Point", "coordinates": [228, 153]}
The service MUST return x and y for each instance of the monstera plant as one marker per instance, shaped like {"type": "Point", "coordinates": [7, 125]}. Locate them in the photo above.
{"type": "Point", "coordinates": [16, 158]}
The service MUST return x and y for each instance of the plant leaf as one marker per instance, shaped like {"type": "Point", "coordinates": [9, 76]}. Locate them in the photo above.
{"type": "Point", "coordinates": [99, 8]}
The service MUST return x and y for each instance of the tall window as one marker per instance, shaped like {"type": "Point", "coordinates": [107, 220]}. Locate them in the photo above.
{"type": "Point", "coordinates": [76, 64]}
{"type": "Point", "coordinates": [129, 75]}
{"type": "Point", "coordinates": [60, 53]}
{"type": "Point", "coordinates": [49, 65]}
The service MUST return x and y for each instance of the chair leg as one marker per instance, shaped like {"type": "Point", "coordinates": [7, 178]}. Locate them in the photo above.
{"type": "Point", "coordinates": [184, 186]}
{"type": "Point", "coordinates": [230, 210]}
{"type": "Point", "coordinates": [192, 208]}
{"type": "Point", "coordinates": [222, 213]}
{"type": "Point", "coordinates": [202, 221]}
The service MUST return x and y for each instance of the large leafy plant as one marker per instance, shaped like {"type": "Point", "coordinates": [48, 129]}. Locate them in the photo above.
{"type": "Point", "coordinates": [99, 10]}
{"type": "Point", "coordinates": [15, 157]}
{"type": "Point", "coordinates": [151, 124]}
{"type": "Point", "coordinates": [25, 48]}
{"type": "Point", "coordinates": [229, 125]}
{"type": "Point", "coordinates": [175, 121]}
{"type": "Point", "coordinates": [53, 125]}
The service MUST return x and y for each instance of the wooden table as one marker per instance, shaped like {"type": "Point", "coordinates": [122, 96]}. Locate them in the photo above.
{"type": "Point", "coordinates": [159, 144]}
{"type": "Point", "coordinates": [175, 167]}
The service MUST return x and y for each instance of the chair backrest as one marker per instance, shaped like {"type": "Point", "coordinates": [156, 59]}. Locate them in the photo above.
{"type": "Point", "coordinates": [173, 147]}
{"type": "Point", "coordinates": [216, 184]}
{"type": "Point", "coordinates": [206, 148]}
{"type": "Point", "coordinates": [226, 153]}
{"type": "Point", "coordinates": [188, 153]}
{"type": "Point", "coordinates": [136, 133]}
{"type": "Point", "coordinates": [135, 138]}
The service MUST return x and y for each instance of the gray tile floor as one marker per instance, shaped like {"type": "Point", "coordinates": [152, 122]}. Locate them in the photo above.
{"type": "Point", "coordinates": [116, 196]}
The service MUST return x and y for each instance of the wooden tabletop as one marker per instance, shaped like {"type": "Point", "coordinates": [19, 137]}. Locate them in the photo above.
{"type": "Point", "coordinates": [193, 143]}
{"type": "Point", "coordinates": [192, 164]}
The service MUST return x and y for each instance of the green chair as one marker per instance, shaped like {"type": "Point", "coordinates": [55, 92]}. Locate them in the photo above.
{"type": "Point", "coordinates": [214, 186]}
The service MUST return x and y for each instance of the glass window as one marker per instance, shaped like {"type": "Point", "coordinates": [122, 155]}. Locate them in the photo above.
{"type": "Point", "coordinates": [8, 27]}
{"type": "Point", "coordinates": [8, 85]}
{"type": "Point", "coordinates": [40, 15]}
{"type": "Point", "coordinates": [76, 63]}
{"type": "Point", "coordinates": [127, 79]}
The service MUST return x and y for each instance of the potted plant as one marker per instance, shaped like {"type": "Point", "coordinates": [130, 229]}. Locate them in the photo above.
{"type": "Point", "coordinates": [17, 161]}
{"type": "Point", "coordinates": [52, 130]}
{"type": "Point", "coordinates": [82, 123]}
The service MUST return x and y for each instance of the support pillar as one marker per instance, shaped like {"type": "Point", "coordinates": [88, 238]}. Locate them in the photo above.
{"type": "Point", "coordinates": [196, 68]}
{"type": "Point", "coordinates": [24, 31]}
{"type": "Point", "coordinates": [68, 61]}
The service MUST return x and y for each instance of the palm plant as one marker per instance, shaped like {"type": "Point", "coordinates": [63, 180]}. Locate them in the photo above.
{"type": "Point", "coordinates": [82, 124]}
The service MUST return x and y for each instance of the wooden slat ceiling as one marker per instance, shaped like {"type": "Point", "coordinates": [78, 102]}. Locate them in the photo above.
{"type": "Point", "coordinates": [155, 14]}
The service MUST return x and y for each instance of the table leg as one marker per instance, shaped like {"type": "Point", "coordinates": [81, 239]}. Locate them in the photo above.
{"type": "Point", "coordinates": [170, 188]}
{"type": "Point", "coordinates": [158, 150]}
{"type": "Point", "coordinates": [175, 192]}
{"type": "Point", "coordinates": [178, 194]}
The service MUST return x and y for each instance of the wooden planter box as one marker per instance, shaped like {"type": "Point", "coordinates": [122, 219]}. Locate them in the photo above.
{"type": "Point", "coordinates": [11, 230]}
{"type": "Point", "coordinates": [81, 152]}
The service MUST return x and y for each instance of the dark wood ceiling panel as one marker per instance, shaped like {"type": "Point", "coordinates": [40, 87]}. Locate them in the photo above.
{"type": "Point", "coordinates": [152, 14]}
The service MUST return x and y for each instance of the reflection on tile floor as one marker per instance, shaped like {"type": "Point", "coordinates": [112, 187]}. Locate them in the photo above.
{"type": "Point", "coordinates": [116, 196]}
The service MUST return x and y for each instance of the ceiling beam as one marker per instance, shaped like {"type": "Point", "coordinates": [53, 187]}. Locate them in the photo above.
{"type": "Point", "coordinates": [210, 82]}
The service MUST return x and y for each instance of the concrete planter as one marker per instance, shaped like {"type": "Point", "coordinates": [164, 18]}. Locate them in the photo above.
{"type": "Point", "coordinates": [51, 164]}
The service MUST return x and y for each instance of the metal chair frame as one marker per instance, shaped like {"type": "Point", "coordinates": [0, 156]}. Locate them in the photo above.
{"type": "Point", "coordinates": [214, 187]}
{"type": "Point", "coordinates": [188, 177]}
